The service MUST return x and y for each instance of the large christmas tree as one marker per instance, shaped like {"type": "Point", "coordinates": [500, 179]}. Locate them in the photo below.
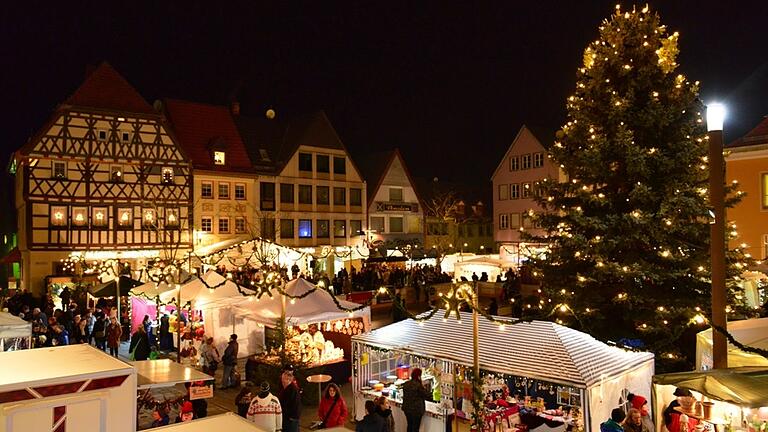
{"type": "Point", "coordinates": [629, 228]}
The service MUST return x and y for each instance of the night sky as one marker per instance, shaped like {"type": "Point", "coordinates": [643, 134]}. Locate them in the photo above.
{"type": "Point", "coordinates": [449, 83]}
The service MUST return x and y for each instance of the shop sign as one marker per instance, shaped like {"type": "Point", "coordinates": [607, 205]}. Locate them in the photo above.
{"type": "Point", "coordinates": [200, 391]}
{"type": "Point", "coordinates": [396, 206]}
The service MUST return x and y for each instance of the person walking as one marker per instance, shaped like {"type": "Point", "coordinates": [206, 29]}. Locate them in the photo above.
{"type": "Point", "coordinates": [209, 357]}
{"type": "Point", "coordinates": [265, 410]}
{"type": "Point", "coordinates": [372, 422]}
{"type": "Point", "coordinates": [114, 332]}
{"type": "Point", "coordinates": [290, 400]}
{"type": "Point", "coordinates": [332, 411]}
{"type": "Point", "coordinates": [139, 348]}
{"type": "Point", "coordinates": [230, 362]}
{"type": "Point", "coordinates": [414, 397]}
{"type": "Point", "coordinates": [385, 411]}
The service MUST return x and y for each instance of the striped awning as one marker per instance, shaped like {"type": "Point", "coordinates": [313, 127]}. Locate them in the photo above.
{"type": "Point", "coordinates": [540, 349]}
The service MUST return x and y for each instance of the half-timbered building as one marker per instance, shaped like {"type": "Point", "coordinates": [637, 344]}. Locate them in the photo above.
{"type": "Point", "coordinates": [104, 175]}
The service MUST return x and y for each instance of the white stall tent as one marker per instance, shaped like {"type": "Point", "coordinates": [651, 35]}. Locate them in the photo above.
{"type": "Point", "coordinates": [316, 307]}
{"type": "Point", "coordinates": [750, 332]}
{"type": "Point", "coordinates": [76, 385]}
{"type": "Point", "coordinates": [12, 329]}
{"type": "Point", "coordinates": [538, 350]}
{"type": "Point", "coordinates": [228, 422]}
{"type": "Point", "coordinates": [492, 266]}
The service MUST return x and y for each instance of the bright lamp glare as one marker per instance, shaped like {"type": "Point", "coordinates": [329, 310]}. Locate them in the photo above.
{"type": "Point", "coordinates": [715, 116]}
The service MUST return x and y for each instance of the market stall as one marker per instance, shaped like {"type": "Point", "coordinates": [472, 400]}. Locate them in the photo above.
{"type": "Point", "coordinates": [73, 387]}
{"type": "Point", "coordinates": [750, 332]}
{"type": "Point", "coordinates": [491, 266]}
{"type": "Point", "coordinates": [15, 333]}
{"type": "Point", "coordinates": [540, 374]}
{"type": "Point", "coordinates": [229, 422]}
{"type": "Point", "coordinates": [734, 399]}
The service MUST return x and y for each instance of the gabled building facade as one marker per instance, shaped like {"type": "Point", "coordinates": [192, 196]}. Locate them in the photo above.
{"type": "Point", "coordinates": [310, 194]}
{"type": "Point", "coordinates": [395, 213]}
{"type": "Point", "coordinates": [747, 164]}
{"type": "Point", "coordinates": [103, 175]}
{"type": "Point", "coordinates": [225, 181]}
{"type": "Point", "coordinates": [515, 182]}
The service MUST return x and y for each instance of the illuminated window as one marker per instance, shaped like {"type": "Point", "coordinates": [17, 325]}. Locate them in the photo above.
{"type": "Point", "coordinates": [219, 157]}
{"type": "Point", "coordinates": [171, 217]}
{"type": "Point", "coordinates": [527, 190]}
{"type": "Point", "coordinates": [58, 216]}
{"type": "Point", "coordinates": [538, 160]}
{"type": "Point", "coordinates": [503, 221]}
{"type": "Point", "coordinates": [339, 228]}
{"type": "Point", "coordinates": [99, 218]}
{"type": "Point", "coordinates": [764, 184]}
{"type": "Point", "coordinates": [125, 218]}
{"type": "Point", "coordinates": [305, 228]}
{"type": "Point", "coordinates": [149, 217]}
{"type": "Point", "coordinates": [323, 228]}
{"type": "Point", "coordinates": [167, 175]}
{"type": "Point", "coordinates": [79, 216]}
{"type": "Point", "coordinates": [206, 224]}
{"type": "Point", "coordinates": [224, 225]}
{"type": "Point", "coordinates": [223, 190]}
{"type": "Point", "coordinates": [59, 170]}
{"type": "Point", "coordinates": [117, 174]}
{"type": "Point", "coordinates": [206, 189]}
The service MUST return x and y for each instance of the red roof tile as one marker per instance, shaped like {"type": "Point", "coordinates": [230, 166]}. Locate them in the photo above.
{"type": "Point", "coordinates": [201, 127]}
{"type": "Point", "coordinates": [758, 135]}
{"type": "Point", "coordinates": [105, 88]}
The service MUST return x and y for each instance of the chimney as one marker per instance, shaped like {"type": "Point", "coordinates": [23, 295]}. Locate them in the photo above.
{"type": "Point", "coordinates": [235, 108]}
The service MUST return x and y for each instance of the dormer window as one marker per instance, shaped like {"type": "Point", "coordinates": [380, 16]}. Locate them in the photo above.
{"type": "Point", "coordinates": [167, 175]}
{"type": "Point", "coordinates": [125, 137]}
{"type": "Point", "coordinates": [116, 174]}
{"type": "Point", "coordinates": [101, 134]}
{"type": "Point", "coordinates": [219, 157]}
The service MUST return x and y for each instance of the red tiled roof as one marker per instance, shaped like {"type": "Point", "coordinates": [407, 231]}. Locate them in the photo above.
{"type": "Point", "coordinates": [105, 88]}
{"type": "Point", "coordinates": [201, 127]}
{"type": "Point", "coordinates": [758, 135]}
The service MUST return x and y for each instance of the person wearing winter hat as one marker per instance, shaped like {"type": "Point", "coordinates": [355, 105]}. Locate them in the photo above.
{"type": "Point", "coordinates": [186, 413]}
{"type": "Point", "coordinates": [265, 411]}
{"type": "Point", "coordinates": [641, 404]}
{"type": "Point", "coordinates": [667, 414]}
{"type": "Point", "coordinates": [290, 400]}
{"type": "Point", "coordinates": [613, 424]}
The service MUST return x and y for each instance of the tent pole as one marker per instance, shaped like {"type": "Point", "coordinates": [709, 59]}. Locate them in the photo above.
{"type": "Point", "coordinates": [178, 326]}
{"type": "Point", "coordinates": [117, 296]}
{"type": "Point", "coordinates": [475, 349]}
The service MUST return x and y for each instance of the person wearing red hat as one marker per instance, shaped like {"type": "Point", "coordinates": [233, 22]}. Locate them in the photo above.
{"type": "Point", "coordinates": [640, 403]}
{"type": "Point", "coordinates": [186, 413]}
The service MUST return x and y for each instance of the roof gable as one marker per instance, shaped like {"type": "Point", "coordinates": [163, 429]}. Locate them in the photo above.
{"type": "Point", "coordinates": [524, 132]}
{"type": "Point", "coordinates": [201, 129]}
{"type": "Point", "coordinates": [105, 88]}
{"type": "Point", "coordinates": [376, 167]}
{"type": "Point", "coordinates": [758, 135]}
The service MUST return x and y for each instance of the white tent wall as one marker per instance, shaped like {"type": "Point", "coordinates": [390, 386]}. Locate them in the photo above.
{"type": "Point", "coordinates": [751, 332]}
{"type": "Point", "coordinates": [12, 326]}
{"type": "Point", "coordinates": [221, 322]}
{"type": "Point", "coordinates": [605, 395]}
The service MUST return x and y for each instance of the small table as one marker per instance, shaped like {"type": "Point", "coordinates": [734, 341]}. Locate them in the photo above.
{"type": "Point", "coordinates": [319, 379]}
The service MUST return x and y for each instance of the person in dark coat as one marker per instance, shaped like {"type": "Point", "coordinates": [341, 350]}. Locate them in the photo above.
{"type": "Point", "coordinates": [385, 411]}
{"type": "Point", "coordinates": [613, 424]}
{"type": "Point", "coordinates": [165, 334]}
{"type": "Point", "coordinates": [290, 400]}
{"type": "Point", "coordinates": [414, 397]}
{"type": "Point", "coordinates": [140, 344]}
{"type": "Point", "coordinates": [372, 422]}
{"type": "Point", "coordinates": [230, 361]}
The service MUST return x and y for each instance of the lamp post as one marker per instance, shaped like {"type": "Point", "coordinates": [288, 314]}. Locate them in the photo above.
{"type": "Point", "coordinates": [715, 117]}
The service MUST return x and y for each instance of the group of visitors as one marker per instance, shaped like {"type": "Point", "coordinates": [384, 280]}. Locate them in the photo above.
{"type": "Point", "coordinates": [635, 419]}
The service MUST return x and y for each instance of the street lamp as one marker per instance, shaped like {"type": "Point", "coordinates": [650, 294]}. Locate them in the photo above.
{"type": "Point", "coordinates": [715, 118]}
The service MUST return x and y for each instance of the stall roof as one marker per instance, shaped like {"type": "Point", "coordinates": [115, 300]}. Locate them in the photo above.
{"type": "Point", "coordinates": [539, 349]}
{"type": "Point", "coordinates": [165, 373]}
{"type": "Point", "coordinates": [12, 326]}
{"type": "Point", "coordinates": [745, 386]}
{"type": "Point", "coordinates": [224, 422]}
{"type": "Point", "coordinates": [56, 364]}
